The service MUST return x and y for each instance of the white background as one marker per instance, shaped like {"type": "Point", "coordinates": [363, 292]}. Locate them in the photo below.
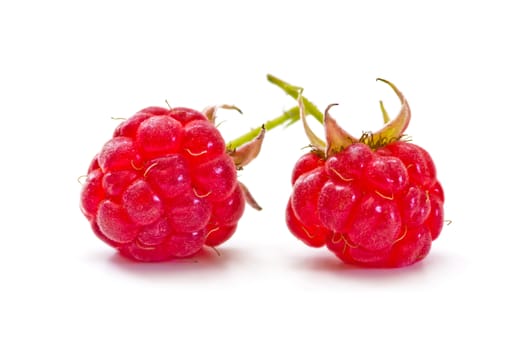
{"type": "Point", "coordinates": [68, 67]}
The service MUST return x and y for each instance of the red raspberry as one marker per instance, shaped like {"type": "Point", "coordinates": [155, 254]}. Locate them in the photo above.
{"type": "Point", "coordinates": [373, 201]}
{"type": "Point", "coordinates": [166, 185]}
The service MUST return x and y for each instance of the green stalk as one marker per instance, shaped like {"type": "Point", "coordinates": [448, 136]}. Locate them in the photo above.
{"type": "Point", "coordinates": [289, 116]}
{"type": "Point", "coordinates": [294, 92]}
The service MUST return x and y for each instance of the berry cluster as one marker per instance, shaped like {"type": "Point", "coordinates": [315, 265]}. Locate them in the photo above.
{"type": "Point", "coordinates": [164, 186]}
{"type": "Point", "coordinates": [372, 201]}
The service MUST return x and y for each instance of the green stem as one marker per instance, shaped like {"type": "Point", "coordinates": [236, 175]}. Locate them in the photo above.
{"type": "Point", "coordinates": [289, 116]}
{"type": "Point", "coordinates": [294, 91]}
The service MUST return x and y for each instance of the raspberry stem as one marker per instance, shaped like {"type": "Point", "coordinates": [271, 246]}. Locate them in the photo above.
{"type": "Point", "coordinates": [294, 92]}
{"type": "Point", "coordinates": [290, 115]}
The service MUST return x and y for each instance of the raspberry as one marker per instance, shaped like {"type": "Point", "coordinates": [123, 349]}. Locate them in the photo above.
{"type": "Point", "coordinates": [165, 184]}
{"type": "Point", "coordinates": [373, 201]}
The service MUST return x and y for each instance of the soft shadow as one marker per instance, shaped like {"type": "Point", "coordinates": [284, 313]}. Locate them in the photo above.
{"type": "Point", "coordinates": [331, 265]}
{"type": "Point", "coordinates": [207, 260]}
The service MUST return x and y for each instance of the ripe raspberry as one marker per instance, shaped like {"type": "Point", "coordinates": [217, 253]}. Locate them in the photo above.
{"type": "Point", "coordinates": [166, 185]}
{"type": "Point", "coordinates": [373, 201]}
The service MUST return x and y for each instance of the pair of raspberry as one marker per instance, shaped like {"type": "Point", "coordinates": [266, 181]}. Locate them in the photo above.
{"type": "Point", "coordinates": [166, 185]}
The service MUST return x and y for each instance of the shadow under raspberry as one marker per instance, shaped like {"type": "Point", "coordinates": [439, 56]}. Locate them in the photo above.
{"type": "Point", "coordinates": [327, 264]}
{"type": "Point", "coordinates": [205, 260]}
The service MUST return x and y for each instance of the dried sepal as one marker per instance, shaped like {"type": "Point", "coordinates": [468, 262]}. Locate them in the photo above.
{"type": "Point", "coordinates": [316, 142]}
{"type": "Point", "coordinates": [244, 154]}
{"type": "Point", "coordinates": [336, 137]}
{"type": "Point", "coordinates": [211, 111]}
{"type": "Point", "coordinates": [394, 128]}
{"type": "Point", "coordinates": [249, 198]}
{"type": "Point", "coordinates": [386, 117]}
